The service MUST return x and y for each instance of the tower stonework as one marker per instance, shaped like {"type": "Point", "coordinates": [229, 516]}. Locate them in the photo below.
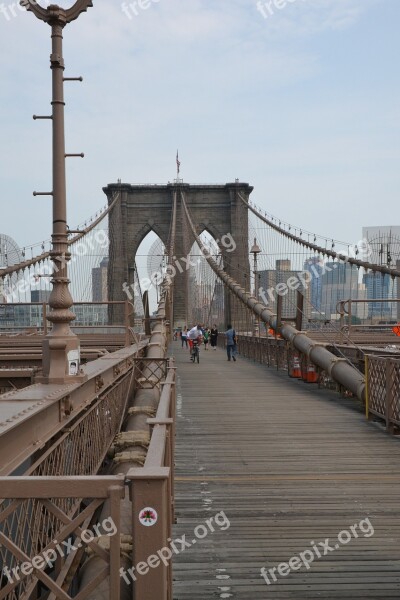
{"type": "Point", "coordinates": [216, 209]}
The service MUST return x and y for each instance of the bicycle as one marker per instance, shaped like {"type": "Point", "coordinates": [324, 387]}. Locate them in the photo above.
{"type": "Point", "coordinates": [195, 353]}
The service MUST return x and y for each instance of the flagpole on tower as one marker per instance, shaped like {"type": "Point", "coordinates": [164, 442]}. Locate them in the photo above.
{"type": "Point", "coordinates": [178, 168]}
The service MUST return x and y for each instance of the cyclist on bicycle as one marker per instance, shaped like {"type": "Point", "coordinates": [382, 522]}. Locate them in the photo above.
{"type": "Point", "coordinates": [196, 333]}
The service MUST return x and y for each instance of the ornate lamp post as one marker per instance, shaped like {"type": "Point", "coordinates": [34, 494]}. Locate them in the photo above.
{"type": "Point", "coordinates": [61, 351]}
{"type": "Point", "coordinates": [255, 250]}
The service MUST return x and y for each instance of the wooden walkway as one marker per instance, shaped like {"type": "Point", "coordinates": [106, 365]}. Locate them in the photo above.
{"type": "Point", "coordinates": [289, 466]}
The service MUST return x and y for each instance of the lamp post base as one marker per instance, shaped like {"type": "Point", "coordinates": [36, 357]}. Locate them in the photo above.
{"type": "Point", "coordinates": [61, 360]}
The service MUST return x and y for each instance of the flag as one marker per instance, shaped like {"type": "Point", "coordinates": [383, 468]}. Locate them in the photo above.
{"type": "Point", "coordinates": [178, 164]}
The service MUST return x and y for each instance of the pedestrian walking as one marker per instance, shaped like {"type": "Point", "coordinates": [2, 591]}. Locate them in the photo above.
{"type": "Point", "coordinates": [231, 341]}
{"type": "Point", "coordinates": [184, 335]}
{"type": "Point", "coordinates": [206, 338]}
{"type": "Point", "coordinates": [214, 337]}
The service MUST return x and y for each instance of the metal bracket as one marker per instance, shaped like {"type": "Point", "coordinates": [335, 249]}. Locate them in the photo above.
{"type": "Point", "coordinates": [66, 407]}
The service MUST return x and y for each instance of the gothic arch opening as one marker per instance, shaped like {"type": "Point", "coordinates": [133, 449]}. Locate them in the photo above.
{"type": "Point", "coordinates": [205, 293]}
{"type": "Point", "coordinates": [150, 262]}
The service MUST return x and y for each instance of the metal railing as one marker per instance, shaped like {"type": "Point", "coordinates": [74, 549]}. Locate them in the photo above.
{"type": "Point", "coordinates": [74, 424]}
{"type": "Point", "coordinates": [266, 351]}
{"type": "Point", "coordinates": [383, 390]}
{"type": "Point", "coordinates": [49, 562]}
{"type": "Point", "coordinates": [278, 354]}
{"type": "Point", "coordinates": [57, 499]}
{"type": "Point", "coordinates": [153, 486]}
{"type": "Point", "coordinates": [91, 317]}
{"type": "Point", "coordinates": [351, 323]}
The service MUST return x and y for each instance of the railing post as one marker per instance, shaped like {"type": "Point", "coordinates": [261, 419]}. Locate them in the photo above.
{"type": "Point", "coordinates": [366, 387]}
{"type": "Point", "coordinates": [151, 554]}
{"type": "Point", "coordinates": [127, 335]}
{"type": "Point", "coordinates": [389, 396]}
{"type": "Point", "coordinates": [172, 439]}
{"type": "Point", "coordinates": [44, 318]}
{"type": "Point", "coordinates": [279, 303]}
{"type": "Point", "coordinates": [342, 315]}
{"type": "Point", "coordinates": [299, 311]}
{"type": "Point", "coordinates": [350, 319]}
{"type": "Point", "coordinates": [115, 550]}
{"type": "Point", "coordinates": [147, 327]}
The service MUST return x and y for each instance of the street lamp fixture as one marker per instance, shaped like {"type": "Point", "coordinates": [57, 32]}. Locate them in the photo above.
{"type": "Point", "coordinates": [54, 11]}
{"type": "Point", "coordinates": [61, 349]}
{"type": "Point", "coordinates": [255, 251]}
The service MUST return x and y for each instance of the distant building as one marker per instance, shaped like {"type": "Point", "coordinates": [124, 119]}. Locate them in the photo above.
{"type": "Point", "coordinates": [268, 290]}
{"type": "Point", "coordinates": [90, 315]}
{"type": "Point", "coordinates": [379, 287]}
{"type": "Point", "coordinates": [218, 303]}
{"type": "Point", "coordinates": [384, 245]}
{"type": "Point", "coordinates": [7, 317]}
{"type": "Point", "coordinates": [20, 317]}
{"type": "Point", "coordinates": [99, 281]}
{"type": "Point", "coordinates": [360, 309]}
{"type": "Point", "coordinates": [339, 282]}
{"type": "Point", "coordinates": [314, 265]}
{"type": "Point", "coordinates": [283, 264]}
{"type": "Point", "coordinates": [40, 295]}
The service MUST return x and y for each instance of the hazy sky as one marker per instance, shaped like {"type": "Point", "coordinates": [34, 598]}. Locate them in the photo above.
{"type": "Point", "coordinates": [303, 104]}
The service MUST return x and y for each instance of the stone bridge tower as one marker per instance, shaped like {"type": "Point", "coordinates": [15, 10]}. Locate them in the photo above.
{"type": "Point", "coordinates": [144, 208]}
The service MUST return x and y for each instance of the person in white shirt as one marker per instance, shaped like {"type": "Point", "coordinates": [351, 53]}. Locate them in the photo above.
{"type": "Point", "coordinates": [196, 333]}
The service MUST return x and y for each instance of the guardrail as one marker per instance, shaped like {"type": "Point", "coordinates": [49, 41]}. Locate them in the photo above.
{"type": "Point", "coordinates": [39, 513]}
{"type": "Point", "coordinates": [351, 323]}
{"type": "Point", "coordinates": [84, 417]}
{"type": "Point", "coordinates": [277, 353]}
{"type": "Point", "coordinates": [152, 486]}
{"type": "Point", "coordinates": [383, 390]}
{"type": "Point", "coordinates": [267, 351]}
{"type": "Point", "coordinates": [91, 317]}
{"type": "Point", "coordinates": [45, 557]}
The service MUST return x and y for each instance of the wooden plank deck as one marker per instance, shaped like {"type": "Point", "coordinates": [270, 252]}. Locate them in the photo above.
{"type": "Point", "coordinates": [289, 465]}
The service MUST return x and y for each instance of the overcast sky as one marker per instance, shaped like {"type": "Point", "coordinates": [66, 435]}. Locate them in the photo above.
{"type": "Point", "coordinates": [302, 102]}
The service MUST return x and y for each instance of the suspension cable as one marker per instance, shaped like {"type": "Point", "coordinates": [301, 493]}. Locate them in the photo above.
{"type": "Point", "coordinates": [339, 369]}
{"type": "Point", "coordinates": [319, 249]}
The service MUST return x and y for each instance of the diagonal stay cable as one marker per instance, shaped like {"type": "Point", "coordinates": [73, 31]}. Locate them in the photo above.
{"type": "Point", "coordinates": [339, 369]}
{"type": "Point", "coordinates": [324, 334]}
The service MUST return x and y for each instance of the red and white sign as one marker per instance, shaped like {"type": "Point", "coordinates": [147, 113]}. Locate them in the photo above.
{"type": "Point", "coordinates": [148, 516]}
